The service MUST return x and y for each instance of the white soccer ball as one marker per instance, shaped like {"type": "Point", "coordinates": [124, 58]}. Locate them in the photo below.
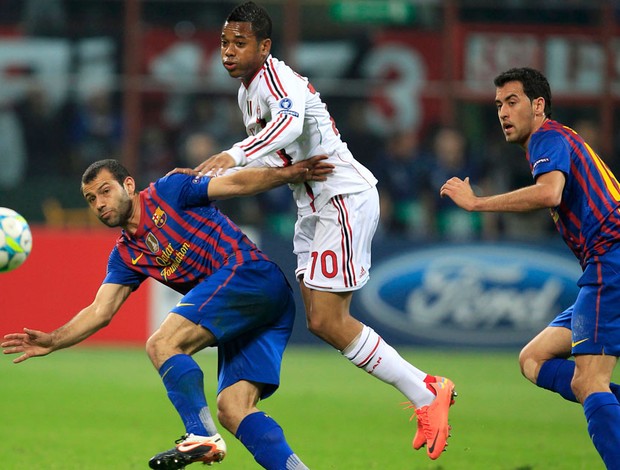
{"type": "Point", "coordinates": [15, 240]}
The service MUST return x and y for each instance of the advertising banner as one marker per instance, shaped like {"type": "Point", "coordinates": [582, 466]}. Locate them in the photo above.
{"type": "Point", "coordinates": [470, 295]}
{"type": "Point", "coordinates": [60, 277]}
{"type": "Point", "coordinates": [465, 295]}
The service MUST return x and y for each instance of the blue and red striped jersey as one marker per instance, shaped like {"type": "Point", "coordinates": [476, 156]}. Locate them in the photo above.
{"type": "Point", "coordinates": [588, 217]}
{"type": "Point", "coordinates": [182, 237]}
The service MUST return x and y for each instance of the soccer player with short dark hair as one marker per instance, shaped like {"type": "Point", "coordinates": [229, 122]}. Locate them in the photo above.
{"type": "Point", "coordinates": [583, 196]}
{"type": "Point", "coordinates": [234, 298]}
{"type": "Point", "coordinates": [287, 122]}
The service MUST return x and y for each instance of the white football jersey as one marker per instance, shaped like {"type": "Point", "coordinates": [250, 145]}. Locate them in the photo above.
{"type": "Point", "coordinates": [287, 122]}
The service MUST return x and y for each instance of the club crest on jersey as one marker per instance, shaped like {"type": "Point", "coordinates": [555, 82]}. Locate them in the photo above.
{"type": "Point", "coordinates": [159, 217]}
{"type": "Point", "coordinates": [152, 242]}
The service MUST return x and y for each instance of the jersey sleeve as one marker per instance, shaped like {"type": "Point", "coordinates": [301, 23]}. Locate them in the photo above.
{"type": "Point", "coordinates": [119, 273]}
{"type": "Point", "coordinates": [285, 97]}
{"type": "Point", "coordinates": [184, 190]}
{"type": "Point", "coordinates": [549, 151]}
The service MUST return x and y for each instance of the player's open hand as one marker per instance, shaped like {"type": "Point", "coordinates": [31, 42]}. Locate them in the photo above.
{"type": "Point", "coordinates": [30, 343]}
{"type": "Point", "coordinates": [184, 171]}
{"type": "Point", "coordinates": [216, 164]}
{"type": "Point", "coordinates": [312, 169]}
{"type": "Point", "coordinates": [460, 191]}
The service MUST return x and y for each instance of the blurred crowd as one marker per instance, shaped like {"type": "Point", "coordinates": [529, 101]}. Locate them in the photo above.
{"type": "Point", "coordinates": [42, 138]}
{"type": "Point", "coordinates": [46, 141]}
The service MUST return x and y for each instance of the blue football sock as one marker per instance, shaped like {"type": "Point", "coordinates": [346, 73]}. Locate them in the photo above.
{"type": "Point", "coordinates": [183, 380]}
{"type": "Point", "coordinates": [556, 375]}
{"type": "Point", "coordinates": [602, 412]}
{"type": "Point", "coordinates": [265, 440]}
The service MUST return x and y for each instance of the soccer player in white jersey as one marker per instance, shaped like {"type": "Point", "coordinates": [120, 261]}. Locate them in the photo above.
{"type": "Point", "coordinates": [287, 122]}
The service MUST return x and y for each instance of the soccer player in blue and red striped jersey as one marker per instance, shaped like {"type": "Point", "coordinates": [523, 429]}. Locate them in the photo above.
{"type": "Point", "coordinates": [234, 298]}
{"type": "Point", "coordinates": [583, 196]}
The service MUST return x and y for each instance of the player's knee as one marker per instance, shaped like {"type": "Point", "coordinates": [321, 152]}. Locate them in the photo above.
{"type": "Point", "coordinates": [579, 386]}
{"type": "Point", "coordinates": [316, 325]}
{"type": "Point", "coordinates": [151, 345]}
{"type": "Point", "coordinates": [155, 348]}
{"type": "Point", "coordinates": [528, 363]}
{"type": "Point", "coordinates": [230, 413]}
{"type": "Point", "coordinates": [226, 420]}
{"type": "Point", "coordinates": [324, 327]}
{"type": "Point", "coordinates": [583, 385]}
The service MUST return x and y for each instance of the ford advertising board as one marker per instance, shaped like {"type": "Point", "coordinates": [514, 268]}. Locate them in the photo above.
{"type": "Point", "coordinates": [468, 295]}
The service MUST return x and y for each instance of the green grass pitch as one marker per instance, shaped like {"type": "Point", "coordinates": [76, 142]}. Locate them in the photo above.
{"type": "Point", "coordinates": [93, 408]}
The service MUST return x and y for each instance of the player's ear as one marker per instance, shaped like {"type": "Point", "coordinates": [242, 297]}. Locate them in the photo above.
{"type": "Point", "coordinates": [265, 47]}
{"type": "Point", "coordinates": [539, 106]}
{"type": "Point", "coordinates": [130, 185]}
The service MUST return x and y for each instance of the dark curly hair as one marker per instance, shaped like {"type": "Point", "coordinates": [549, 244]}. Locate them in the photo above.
{"type": "Point", "coordinates": [250, 12]}
{"type": "Point", "coordinates": [535, 84]}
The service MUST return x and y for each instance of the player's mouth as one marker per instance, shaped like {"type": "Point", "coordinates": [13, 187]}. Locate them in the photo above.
{"type": "Point", "coordinates": [230, 66]}
{"type": "Point", "coordinates": [508, 128]}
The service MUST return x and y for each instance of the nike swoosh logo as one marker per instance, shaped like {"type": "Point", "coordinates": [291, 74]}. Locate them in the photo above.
{"type": "Point", "coordinates": [166, 373]}
{"type": "Point", "coordinates": [432, 446]}
{"type": "Point", "coordinates": [189, 446]}
{"type": "Point", "coordinates": [576, 343]}
{"type": "Point", "coordinates": [182, 304]}
{"type": "Point", "coordinates": [135, 260]}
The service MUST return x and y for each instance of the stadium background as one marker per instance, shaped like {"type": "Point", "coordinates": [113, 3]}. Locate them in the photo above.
{"type": "Point", "coordinates": [409, 84]}
{"type": "Point", "coordinates": [410, 87]}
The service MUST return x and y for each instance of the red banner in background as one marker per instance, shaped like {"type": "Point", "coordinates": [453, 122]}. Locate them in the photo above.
{"type": "Point", "coordinates": [62, 276]}
{"type": "Point", "coordinates": [574, 59]}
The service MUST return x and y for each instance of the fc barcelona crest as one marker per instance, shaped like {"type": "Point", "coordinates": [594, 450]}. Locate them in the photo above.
{"type": "Point", "coordinates": [159, 217]}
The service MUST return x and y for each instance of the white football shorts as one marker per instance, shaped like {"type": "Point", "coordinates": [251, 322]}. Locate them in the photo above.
{"type": "Point", "coordinates": [333, 244]}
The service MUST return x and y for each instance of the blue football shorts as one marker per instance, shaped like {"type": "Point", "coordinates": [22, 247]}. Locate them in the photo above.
{"type": "Point", "coordinates": [594, 318]}
{"type": "Point", "coordinates": [250, 309]}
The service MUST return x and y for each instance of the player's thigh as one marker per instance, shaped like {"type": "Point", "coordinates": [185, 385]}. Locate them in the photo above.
{"type": "Point", "coordinates": [552, 342]}
{"type": "Point", "coordinates": [333, 246]}
{"type": "Point", "coordinates": [325, 304]}
{"type": "Point", "coordinates": [596, 316]}
{"type": "Point", "coordinates": [177, 332]}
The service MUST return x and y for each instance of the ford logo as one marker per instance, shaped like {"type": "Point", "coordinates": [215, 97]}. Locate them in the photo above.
{"type": "Point", "coordinates": [478, 295]}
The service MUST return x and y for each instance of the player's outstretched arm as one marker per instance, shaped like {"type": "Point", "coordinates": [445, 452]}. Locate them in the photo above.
{"type": "Point", "coordinates": [250, 181]}
{"type": "Point", "coordinates": [546, 192]}
{"type": "Point", "coordinates": [33, 343]}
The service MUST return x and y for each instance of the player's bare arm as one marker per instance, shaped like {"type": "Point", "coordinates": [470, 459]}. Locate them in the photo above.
{"type": "Point", "coordinates": [250, 181]}
{"type": "Point", "coordinates": [545, 193]}
{"type": "Point", "coordinates": [32, 343]}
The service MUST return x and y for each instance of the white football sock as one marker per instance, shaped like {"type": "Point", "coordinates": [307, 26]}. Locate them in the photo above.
{"type": "Point", "coordinates": [370, 352]}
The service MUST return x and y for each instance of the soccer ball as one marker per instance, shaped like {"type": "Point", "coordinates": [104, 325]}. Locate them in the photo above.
{"type": "Point", "coordinates": [15, 240]}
